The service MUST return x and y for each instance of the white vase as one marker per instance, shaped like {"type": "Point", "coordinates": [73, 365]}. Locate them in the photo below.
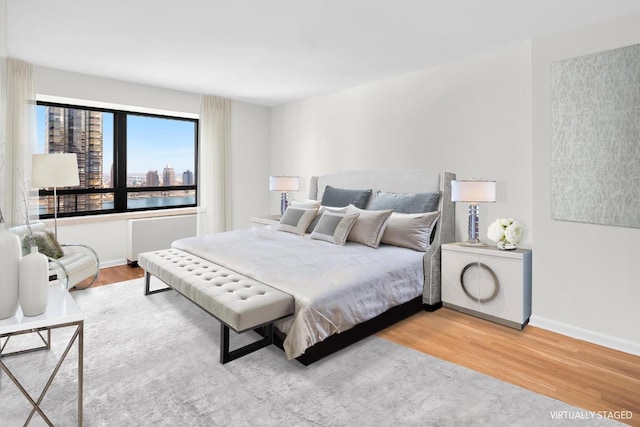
{"type": "Point", "coordinates": [34, 283]}
{"type": "Point", "coordinates": [10, 251]}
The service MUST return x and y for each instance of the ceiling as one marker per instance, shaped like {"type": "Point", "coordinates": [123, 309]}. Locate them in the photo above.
{"type": "Point", "coordinates": [270, 52]}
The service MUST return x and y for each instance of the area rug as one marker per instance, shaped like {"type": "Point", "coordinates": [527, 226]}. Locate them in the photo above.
{"type": "Point", "coordinates": [153, 361]}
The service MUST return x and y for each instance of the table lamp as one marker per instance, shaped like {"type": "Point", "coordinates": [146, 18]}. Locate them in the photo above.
{"type": "Point", "coordinates": [284, 184]}
{"type": "Point", "coordinates": [473, 192]}
{"type": "Point", "coordinates": [54, 170]}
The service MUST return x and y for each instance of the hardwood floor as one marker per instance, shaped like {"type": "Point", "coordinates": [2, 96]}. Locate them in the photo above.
{"type": "Point", "coordinates": [576, 372]}
{"type": "Point", "coordinates": [111, 275]}
{"type": "Point", "coordinates": [582, 374]}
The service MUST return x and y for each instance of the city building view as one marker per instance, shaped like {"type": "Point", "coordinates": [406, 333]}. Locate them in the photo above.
{"type": "Point", "coordinates": [83, 132]}
{"type": "Point", "coordinates": [77, 131]}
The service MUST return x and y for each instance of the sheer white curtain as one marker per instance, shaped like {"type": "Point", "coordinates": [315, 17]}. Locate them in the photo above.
{"type": "Point", "coordinates": [19, 117]}
{"type": "Point", "coordinates": [214, 183]}
{"type": "Point", "coordinates": [3, 136]}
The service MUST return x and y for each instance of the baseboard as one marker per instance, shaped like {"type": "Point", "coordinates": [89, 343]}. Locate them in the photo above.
{"type": "Point", "coordinates": [586, 335]}
{"type": "Point", "coordinates": [113, 263]}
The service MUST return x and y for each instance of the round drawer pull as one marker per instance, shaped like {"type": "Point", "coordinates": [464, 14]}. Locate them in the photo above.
{"type": "Point", "coordinates": [496, 283]}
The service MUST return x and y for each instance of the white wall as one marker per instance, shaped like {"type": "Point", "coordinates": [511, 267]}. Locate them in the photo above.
{"type": "Point", "coordinates": [108, 239]}
{"type": "Point", "coordinates": [586, 281]}
{"type": "Point", "coordinates": [472, 118]}
{"type": "Point", "coordinates": [249, 148]}
{"type": "Point", "coordinates": [3, 28]}
{"type": "Point", "coordinates": [66, 84]}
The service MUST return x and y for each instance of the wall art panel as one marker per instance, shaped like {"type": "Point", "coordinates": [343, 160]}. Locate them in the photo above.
{"type": "Point", "coordinates": [595, 138]}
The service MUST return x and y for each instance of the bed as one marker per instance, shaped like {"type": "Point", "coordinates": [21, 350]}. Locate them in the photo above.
{"type": "Point", "coordinates": [342, 292]}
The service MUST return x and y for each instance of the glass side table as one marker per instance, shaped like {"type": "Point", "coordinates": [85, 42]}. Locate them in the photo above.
{"type": "Point", "coordinates": [62, 312]}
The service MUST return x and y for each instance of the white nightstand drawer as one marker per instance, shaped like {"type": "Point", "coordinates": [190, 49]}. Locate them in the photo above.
{"type": "Point", "coordinates": [488, 283]}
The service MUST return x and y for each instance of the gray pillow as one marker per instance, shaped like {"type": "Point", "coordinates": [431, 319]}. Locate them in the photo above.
{"type": "Point", "coordinates": [296, 220]}
{"type": "Point", "coordinates": [46, 243]}
{"type": "Point", "coordinates": [411, 231]}
{"type": "Point", "coordinates": [334, 227]}
{"type": "Point", "coordinates": [340, 197]}
{"type": "Point", "coordinates": [406, 202]}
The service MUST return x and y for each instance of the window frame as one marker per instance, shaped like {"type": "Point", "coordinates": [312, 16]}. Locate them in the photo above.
{"type": "Point", "coordinates": [120, 189]}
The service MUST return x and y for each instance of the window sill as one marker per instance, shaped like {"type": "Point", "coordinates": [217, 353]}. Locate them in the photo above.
{"type": "Point", "coordinates": [94, 219]}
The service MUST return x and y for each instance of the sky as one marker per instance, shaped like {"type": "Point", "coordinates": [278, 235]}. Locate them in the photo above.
{"type": "Point", "coordinates": [152, 143]}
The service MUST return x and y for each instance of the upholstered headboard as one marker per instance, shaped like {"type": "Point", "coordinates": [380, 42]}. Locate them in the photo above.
{"type": "Point", "coordinates": [405, 181]}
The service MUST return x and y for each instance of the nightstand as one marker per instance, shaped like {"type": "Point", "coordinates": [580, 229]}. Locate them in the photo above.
{"type": "Point", "coordinates": [488, 283]}
{"type": "Point", "coordinates": [257, 221]}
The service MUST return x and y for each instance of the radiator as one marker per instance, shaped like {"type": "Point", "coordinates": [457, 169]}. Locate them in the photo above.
{"type": "Point", "coordinates": [152, 234]}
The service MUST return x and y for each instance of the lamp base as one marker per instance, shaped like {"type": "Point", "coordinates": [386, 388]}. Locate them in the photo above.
{"type": "Point", "coordinates": [284, 203]}
{"type": "Point", "coordinates": [474, 220]}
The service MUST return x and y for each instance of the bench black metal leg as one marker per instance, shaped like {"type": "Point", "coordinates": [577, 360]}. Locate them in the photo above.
{"type": "Point", "coordinates": [147, 285]}
{"type": "Point", "coordinates": [228, 356]}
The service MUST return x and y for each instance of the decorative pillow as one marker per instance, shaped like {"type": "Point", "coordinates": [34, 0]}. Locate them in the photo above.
{"type": "Point", "coordinates": [319, 214]}
{"type": "Point", "coordinates": [340, 197]}
{"type": "Point", "coordinates": [406, 202]}
{"type": "Point", "coordinates": [307, 204]}
{"type": "Point", "coordinates": [411, 231]}
{"type": "Point", "coordinates": [370, 226]}
{"type": "Point", "coordinates": [46, 243]}
{"type": "Point", "coordinates": [334, 227]}
{"type": "Point", "coordinates": [296, 220]}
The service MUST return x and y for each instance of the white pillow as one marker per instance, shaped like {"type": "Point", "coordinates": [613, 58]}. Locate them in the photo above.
{"type": "Point", "coordinates": [411, 231]}
{"type": "Point", "coordinates": [370, 226]}
{"type": "Point", "coordinates": [307, 204]}
{"type": "Point", "coordinates": [296, 220]}
{"type": "Point", "coordinates": [334, 227]}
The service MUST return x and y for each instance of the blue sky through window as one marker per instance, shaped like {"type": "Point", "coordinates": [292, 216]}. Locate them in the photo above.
{"type": "Point", "coordinates": [154, 142]}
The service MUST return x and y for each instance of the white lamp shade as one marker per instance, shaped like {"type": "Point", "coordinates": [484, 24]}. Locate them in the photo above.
{"type": "Point", "coordinates": [54, 170]}
{"type": "Point", "coordinates": [473, 191]}
{"type": "Point", "coordinates": [284, 183]}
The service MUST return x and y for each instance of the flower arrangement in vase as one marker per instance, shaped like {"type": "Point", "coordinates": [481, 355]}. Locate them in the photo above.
{"type": "Point", "coordinates": [507, 232]}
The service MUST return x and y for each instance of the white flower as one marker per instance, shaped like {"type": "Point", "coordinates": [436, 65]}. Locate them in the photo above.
{"type": "Point", "coordinates": [514, 232]}
{"type": "Point", "coordinates": [495, 231]}
{"type": "Point", "coordinates": [505, 222]}
{"type": "Point", "coordinates": [506, 230]}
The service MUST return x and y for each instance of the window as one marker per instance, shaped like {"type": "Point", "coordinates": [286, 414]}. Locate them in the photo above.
{"type": "Point", "coordinates": [127, 161]}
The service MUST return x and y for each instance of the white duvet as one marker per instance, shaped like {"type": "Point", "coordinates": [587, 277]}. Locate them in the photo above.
{"type": "Point", "coordinates": [334, 287]}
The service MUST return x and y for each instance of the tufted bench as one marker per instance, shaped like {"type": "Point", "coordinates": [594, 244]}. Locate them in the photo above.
{"type": "Point", "coordinates": [238, 302]}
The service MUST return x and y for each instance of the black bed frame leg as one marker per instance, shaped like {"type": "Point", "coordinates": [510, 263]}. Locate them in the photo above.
{"type": "Point", "coordinates": [147, 285]}
{"type": "Point", "coordinates": [432, 307]}
{"type": "Point", "coordinates": [228, 356]}
{"type": "Point", "coordinates": [147, 282]}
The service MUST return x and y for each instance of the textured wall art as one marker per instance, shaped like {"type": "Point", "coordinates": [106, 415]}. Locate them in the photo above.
{"type": "Point", "coordinates": [595, 138]}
